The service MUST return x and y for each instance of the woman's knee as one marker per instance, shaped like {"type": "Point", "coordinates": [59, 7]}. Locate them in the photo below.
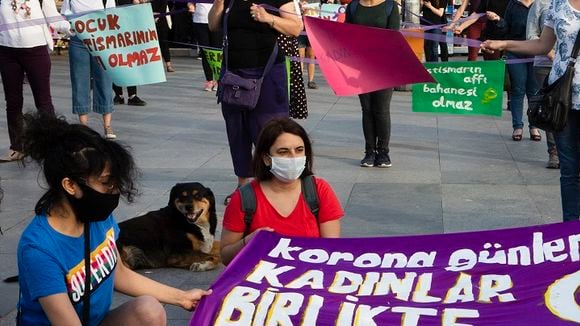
{"type": "Point", "coordinates": [149, 311]}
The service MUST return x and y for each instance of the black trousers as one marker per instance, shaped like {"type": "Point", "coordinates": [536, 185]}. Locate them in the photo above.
{"type": "Point", "coordinates": [376, 119]}
{"type": "Point", "coordinates": [131, 90]}
{"type": "Point", "coordinates": [163, 35]}
{"type": "Point", "coordinates": [205, 37]}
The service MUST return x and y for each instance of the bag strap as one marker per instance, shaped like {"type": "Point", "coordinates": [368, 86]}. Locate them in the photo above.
{"type": "Point", "coordinates": [87, 291]}
{"type": "Point", "coordinates": [575, 49]}
{"type": "Point", "coordinates": [310, 194]}
{"type": "Point", "coordinates": [248, 200]}
{"type": "Point", "coordinates": [271, 59]}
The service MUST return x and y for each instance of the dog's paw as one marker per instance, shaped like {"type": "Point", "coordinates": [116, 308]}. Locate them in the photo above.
{"type": "Point", "coordinates": [202, 266]}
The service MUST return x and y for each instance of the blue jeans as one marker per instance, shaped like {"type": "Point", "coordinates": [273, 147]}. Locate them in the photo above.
{"type": "Point", "coordinates": [568, 144]}
{"type": "Point", "coordinates": [523, 82]}
{"type": "Point", "coordinates": [430, 47]}
{"type": "Point", "coordinates": [84, 71]}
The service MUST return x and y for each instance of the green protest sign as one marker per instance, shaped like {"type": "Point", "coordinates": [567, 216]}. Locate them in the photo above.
{"type": "Point", "coordinates": [467, 87]}
{"type": "Point", "coordinates": [214, 58]}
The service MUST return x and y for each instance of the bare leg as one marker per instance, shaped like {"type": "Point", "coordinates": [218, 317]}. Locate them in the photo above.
{"type": "Point", "coordinates": [84, 119]}
{"type": "Point", "coordinates": [302, 53]}
{"type": "Point", "coordinates": [141, 311]}
{"type": "Point", "coordinates": [310, 55]}
{"type": "Point", "coordinates": [107, 117]}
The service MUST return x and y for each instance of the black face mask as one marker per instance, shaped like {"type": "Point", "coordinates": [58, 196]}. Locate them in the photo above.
{"type": "Point", "coordinates": [94, 206]}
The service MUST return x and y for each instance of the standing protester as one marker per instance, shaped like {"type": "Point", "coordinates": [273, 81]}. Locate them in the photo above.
{"type": "Point", "coordinates": [376, 115]}
{"type": "Point", "coordinates": [542, 67]}
{"type": "Point", "coordinates": [561, 28]}
{"type": "Point", "coordinates": [132, 99]}
{"type": "Point", "coordinates": [86, 73]}
{"type": "Point", "coordinates": [86, 175]}
{"type": "Point", "coordinates": [205, 38]}
{"type": "Point", "coordinates": [25, 50]}
{"type": "Point", "coordinates": [474, 30]}
{"type": "Point", "coordinates": [298, 106]}
{"type": "Point", "coordinates": [160, 8]}
{"type": "Point", "coordinates": [521, 75]}
{"type": "Point", "coordinates": [305, 49]}
{"type": "Point", "coordinates": [251, 35]}
{"type": "Point", "coordinates": [433, 11]}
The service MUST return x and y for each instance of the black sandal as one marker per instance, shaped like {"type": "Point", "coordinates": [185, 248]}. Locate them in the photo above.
{"type": "Point", "coordinates": [535, 135]}
{"type": "Point", "coordinates": [517, 136]}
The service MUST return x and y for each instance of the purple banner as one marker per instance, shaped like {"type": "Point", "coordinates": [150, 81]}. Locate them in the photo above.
{"type": "Point", "coordinates": [521, 276]}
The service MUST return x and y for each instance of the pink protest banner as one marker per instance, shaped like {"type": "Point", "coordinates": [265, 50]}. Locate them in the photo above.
{"type": "Point", "coordinates": [358, 59]}
{"type": "Point", "coordinates": [522, 276]}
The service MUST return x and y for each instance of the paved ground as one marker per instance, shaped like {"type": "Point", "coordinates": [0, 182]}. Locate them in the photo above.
{"type": "Point", "coordinates": [449, 173]}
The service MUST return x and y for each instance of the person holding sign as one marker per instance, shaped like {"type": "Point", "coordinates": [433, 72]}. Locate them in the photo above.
{"type": "Point", "coordinates": [561, 27]}
{"type": "Point", "coordinates": [205, 38]}
{"type": "Point", "coordinates": [376, 115]}
{"type": "Point", "coordinates": [433, 11]}
{"type": "Point", "coordinates": [282, 162]}
{"type": "Point", "coordinates": [87, 74]}
{"type": "Point", "coordinates": [86, 174]}
{"type": "Point", "coordinates": [521, 75]}
{"type": "Point", "coordinates": [24, 51]}
{"type": "Point", "coordinates": [251, 35]}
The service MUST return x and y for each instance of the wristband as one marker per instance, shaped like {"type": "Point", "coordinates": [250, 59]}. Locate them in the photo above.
{"type": "Point", "coordinates": [273, 21]}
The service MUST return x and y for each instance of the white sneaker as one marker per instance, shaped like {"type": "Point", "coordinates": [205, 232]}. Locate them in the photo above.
{"type": "Point", "coordinates": [109, 134]}
{"type": "Point", "coordinates": [12, 156]}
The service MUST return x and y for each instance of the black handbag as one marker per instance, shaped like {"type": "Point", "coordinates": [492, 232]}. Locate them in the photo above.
{"type": "Point", "coordinates": [548, 109]}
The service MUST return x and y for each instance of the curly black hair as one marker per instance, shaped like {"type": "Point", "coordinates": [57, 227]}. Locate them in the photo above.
{"type": "Point", "coordinates": [74, 151]}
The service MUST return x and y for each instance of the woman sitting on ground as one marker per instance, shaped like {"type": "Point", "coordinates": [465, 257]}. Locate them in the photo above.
{"type": "Point", "coordinates": [281, 162]}
{"type": "Point", "coordinates": [85, 174]}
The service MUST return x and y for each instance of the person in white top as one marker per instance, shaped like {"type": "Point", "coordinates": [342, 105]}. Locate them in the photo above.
{"type": "Point", "coordinates": [85, 72]}
{"type": "Point", "coordinates": [205, 38]}
{"type": "Point", "coordinates": [25, 40]}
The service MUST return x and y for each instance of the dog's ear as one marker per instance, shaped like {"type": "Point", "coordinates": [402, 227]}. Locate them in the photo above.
{"type": "Point", "coordinates": [212, 212]}
{"type": "Point", "coordinates": [173, 194]}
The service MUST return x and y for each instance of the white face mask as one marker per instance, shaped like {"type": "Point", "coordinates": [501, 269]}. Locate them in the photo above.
{"type": "Point", "coordinates": [287, 169]}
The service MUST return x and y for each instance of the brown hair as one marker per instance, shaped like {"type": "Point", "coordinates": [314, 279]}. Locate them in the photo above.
{"type": "Point", "coordinates": [271, 131]}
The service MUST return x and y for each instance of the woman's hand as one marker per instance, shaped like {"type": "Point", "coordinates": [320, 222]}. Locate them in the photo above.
{"type": "Point", "coordinates": [492, 16]}
{"type": "Point", "coordinates": [253, 234]}
{"type": "Point", "coordinates": [191, 7]}
{"type": "Point", "coordinates": [192, 297]}
{"type": "Point", "coordinates": [260, 14]}
{"type": "Point", "coordinates": [491, 46]}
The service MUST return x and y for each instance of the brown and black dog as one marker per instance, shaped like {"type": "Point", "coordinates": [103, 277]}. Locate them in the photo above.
{"type": "Point", "coordinates": [180, 235]}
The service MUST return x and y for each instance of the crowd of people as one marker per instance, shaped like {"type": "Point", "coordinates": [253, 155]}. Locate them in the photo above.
{"type": "Point", "coordinates": [87, 172]}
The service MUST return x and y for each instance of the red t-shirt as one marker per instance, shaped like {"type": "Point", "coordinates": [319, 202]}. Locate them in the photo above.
{"type": "Point", "coordinates": [301, 222]}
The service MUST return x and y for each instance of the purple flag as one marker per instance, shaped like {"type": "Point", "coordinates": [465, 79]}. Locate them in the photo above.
{"type": "Point", "coordinates": [521, 276]}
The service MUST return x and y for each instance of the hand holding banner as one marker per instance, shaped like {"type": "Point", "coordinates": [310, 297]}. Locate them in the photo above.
{"type": "Point", "coordinates": [521, 276]}
{"type": "Point", "coordinates": [358, 59]}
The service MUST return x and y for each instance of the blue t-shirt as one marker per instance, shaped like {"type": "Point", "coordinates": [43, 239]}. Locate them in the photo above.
{"type": "Point", "coordinates": [50, 262]}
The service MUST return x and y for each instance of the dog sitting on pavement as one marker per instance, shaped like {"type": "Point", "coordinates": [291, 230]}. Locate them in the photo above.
{"type": "Point", "coordinates": [180, 235]}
